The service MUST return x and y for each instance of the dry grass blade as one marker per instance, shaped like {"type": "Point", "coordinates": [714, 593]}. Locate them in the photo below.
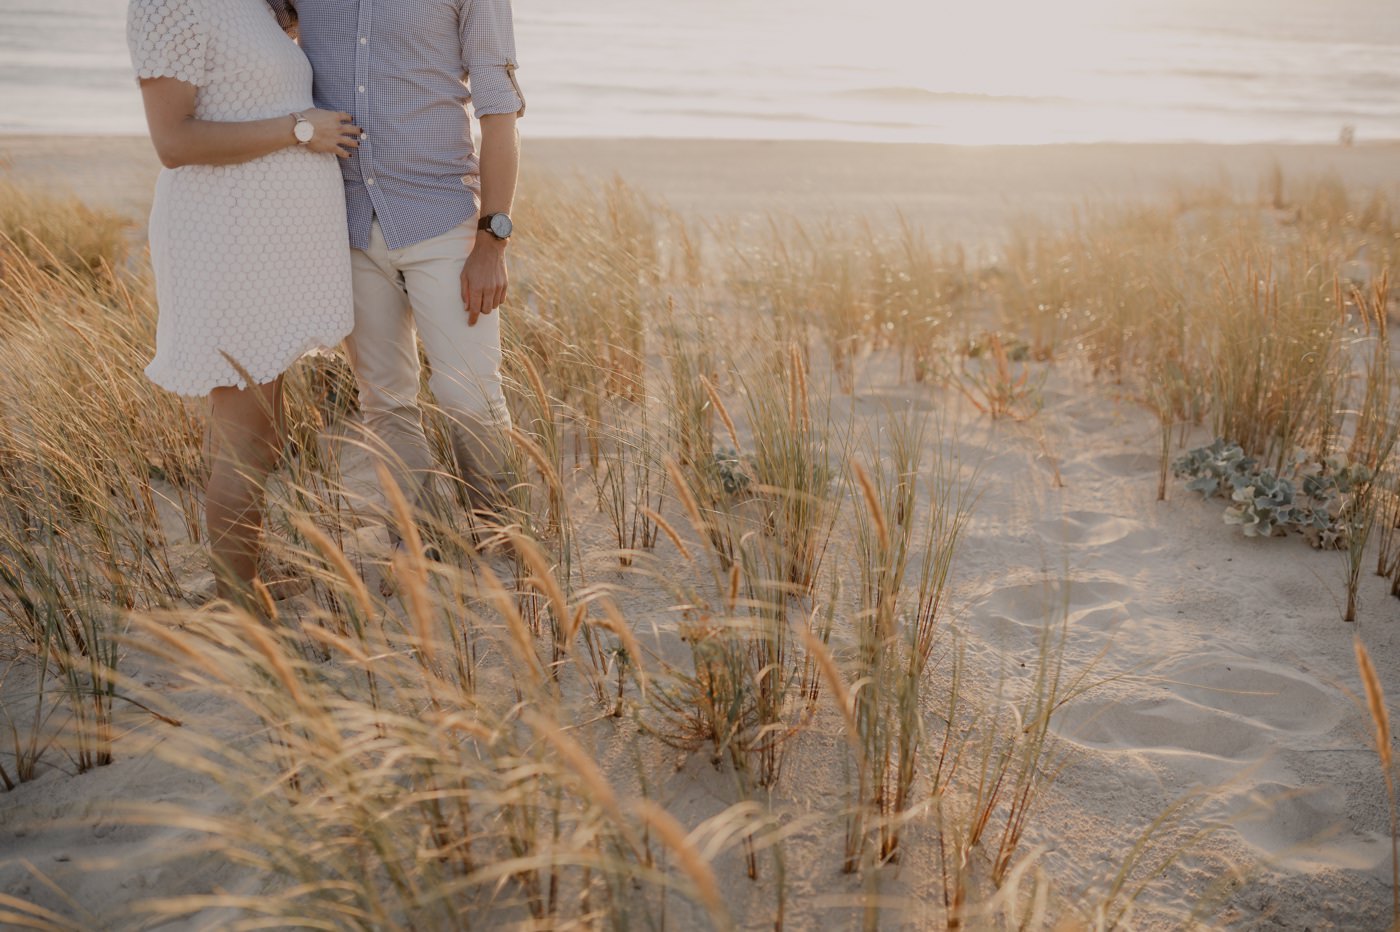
{"type": "Point", "coordinates": [692, 509]}
{"type": "Point", "coordinates": [578, 762]}
{"type": "Point", "coordinates": [542, 578]}
{"type": "Point", "coordinates": [872, 504]}
{"type": "Point", "coordinates": [520, 642]}
{"type": "Point", "coordinates": [336, 558]}
{"type": "Point", "coordinates": [614, 622]}
{"type": "Point", "coordinates": [581, 766]}
{"type": "Point", "coordinates": [673, 836]}
{"type": "Point", "coordinates": [844, 701]}
{"type": "Point", "coordinates": [1380, 718]}
{"type": "Point", "coordinates": [669, 531]}
{"type": "Point", "coordinates": [723, 412]}
{"type": "Point", "coordinates": [342, 645]}
{"type": "Point", "coordinates": [542, 463]}
{"type": "Point", "coordinates": [799, 374]}
{"type": "Point", "coordinates": [24, 915]}
{"type": "Point", "coordinates": [1375, 701]}
{"type": "Point", "coordinates": [409, 564]}
{"type": "Point", "coordinates": [260, 637]}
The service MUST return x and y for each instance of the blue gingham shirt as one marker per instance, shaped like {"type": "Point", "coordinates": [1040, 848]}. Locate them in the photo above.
{"type": "Point", "coordinates": [407, 70]}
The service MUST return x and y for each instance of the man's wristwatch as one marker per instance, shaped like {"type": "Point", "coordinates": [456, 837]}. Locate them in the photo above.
{"type": "Point", "coordinates": [497, 224]}
{"type": "Point", "coordinates": [304, 130]}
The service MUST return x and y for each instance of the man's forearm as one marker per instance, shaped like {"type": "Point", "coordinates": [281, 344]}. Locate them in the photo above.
{"type": "Point", "coordinates": [484, 275]}
{"type": "Point", "coordinates": [500, 162]}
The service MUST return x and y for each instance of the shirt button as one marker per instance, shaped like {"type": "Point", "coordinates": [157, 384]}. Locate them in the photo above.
{"type": "Point", "coordinates": [369, 181]}
{"type": "Point", "coordinates": [361, 88]}
{"type": "Point", "coordinates": [364, 41]}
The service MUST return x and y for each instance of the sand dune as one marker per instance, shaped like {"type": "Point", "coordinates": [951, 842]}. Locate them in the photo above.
{"type": "Point", "coordinates": [1214, 667]}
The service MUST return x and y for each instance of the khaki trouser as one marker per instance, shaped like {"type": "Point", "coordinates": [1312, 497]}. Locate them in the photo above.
{"type": "Point", "coordinates": [417, 289]}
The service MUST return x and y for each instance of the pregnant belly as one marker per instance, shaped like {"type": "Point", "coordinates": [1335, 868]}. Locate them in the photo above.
{"type": "Point", "coordinates": [278, 192]}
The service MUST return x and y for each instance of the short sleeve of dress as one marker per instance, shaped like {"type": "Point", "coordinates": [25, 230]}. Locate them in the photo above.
{"type": "Point", "coordinates": [167, 39]}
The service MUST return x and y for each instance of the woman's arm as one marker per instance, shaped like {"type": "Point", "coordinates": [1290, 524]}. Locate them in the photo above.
{"type": "Point", "coordinates": [180, 139]}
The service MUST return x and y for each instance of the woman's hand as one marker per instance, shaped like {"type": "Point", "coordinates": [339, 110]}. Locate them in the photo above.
{"type": "Point", "coordinates": [182, 139]}
{"type": "Point", "coordinates": [335, 132]}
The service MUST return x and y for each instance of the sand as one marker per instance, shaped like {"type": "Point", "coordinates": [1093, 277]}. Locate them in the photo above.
{"type": "Point", "coordinates": [960, 194]}
{"type": "Point", "coordinates": [1221, 663]}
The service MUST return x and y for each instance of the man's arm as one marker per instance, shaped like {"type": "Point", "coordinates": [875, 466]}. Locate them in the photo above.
{"type": "Point", "coordinates": [488, 58]}
{"type": "Point", "coordinates": [484, 277]}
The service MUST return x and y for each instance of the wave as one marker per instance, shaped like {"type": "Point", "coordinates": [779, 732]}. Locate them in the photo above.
{"type": "Point", "coordinates": [792, 117]}
{"type": "Point", "coordinates": [1217, 74]}
{"type": "Point", "coordinates": [924, 95]}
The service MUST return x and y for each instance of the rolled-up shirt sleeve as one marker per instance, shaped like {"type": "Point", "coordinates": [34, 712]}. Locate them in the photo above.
{"type": "Point", "coordinates": [488, 57]}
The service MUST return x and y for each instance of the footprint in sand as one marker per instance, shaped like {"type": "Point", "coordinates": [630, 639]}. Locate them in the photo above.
{"type": "Point", "coordinates": [1016, 612]}
{"type": "Point", "coordinates": [1091, 529]}
{"type": "Point", "coordinates": [1169, 727]}
{"type": "Point", "coordinates": [1306, 829]}
{"type": "Point", "coordinates": [1229, 707]}
{"type": "Point", "coordinates": [1278, 699]}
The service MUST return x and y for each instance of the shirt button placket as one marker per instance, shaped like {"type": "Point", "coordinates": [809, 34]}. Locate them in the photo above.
{"type": "Point", "coordinates": [366, 157]}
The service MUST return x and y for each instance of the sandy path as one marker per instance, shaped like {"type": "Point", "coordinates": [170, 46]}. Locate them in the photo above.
{"type": "Point", "coordinates": [1239, 671]}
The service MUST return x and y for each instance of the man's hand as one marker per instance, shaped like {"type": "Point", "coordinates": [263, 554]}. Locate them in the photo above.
{"type": "Point", "coordinates": [484, 277]}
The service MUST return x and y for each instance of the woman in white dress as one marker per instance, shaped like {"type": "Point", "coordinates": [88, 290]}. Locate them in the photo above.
{"type": "Point", "coordinates": [248, 237]}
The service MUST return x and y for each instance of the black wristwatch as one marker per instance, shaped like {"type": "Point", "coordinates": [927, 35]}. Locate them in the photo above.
{"type": "Point", "coordinates": [498, 225]}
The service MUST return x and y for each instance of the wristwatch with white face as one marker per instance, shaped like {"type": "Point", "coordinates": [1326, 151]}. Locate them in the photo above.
{"type": "Point", "coordinates": [497, 224]}
{"type": "Point", "coordinates": [304, 130]}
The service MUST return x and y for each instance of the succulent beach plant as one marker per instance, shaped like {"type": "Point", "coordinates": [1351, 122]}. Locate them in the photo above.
{"type": "Point", "coordinates": [1264, 507]}
{"type": "Point", "coordinates": [734, 470]}
{"type": "Point", "coordinates": [1214, 468]}
{"type": "Point", "coordinates": [1315, 501]}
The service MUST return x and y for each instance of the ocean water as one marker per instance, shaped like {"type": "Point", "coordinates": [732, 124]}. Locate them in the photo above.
{"type": "Point", "coordinates": [976, 71]}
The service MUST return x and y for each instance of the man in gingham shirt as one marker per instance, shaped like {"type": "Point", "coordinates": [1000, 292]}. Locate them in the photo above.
{"type": "Point", "coordinates": [429, 216]}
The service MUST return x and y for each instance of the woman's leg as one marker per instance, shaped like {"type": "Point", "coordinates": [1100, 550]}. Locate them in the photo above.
{"type": "Point", "coordinates": [246, 431]}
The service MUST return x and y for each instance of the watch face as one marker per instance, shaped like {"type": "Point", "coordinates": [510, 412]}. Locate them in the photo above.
{"type": "Point", "coordinates": [501, 226]}
{"type": "Point", "coordinates": [304, 131]}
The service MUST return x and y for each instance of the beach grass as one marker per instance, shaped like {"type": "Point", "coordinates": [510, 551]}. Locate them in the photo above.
{"type": "Point", "coordinates": [718, 563]}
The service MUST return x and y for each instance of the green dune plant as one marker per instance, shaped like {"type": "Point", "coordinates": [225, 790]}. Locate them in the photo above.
{"type": "Point", "coordinates": [1322, 501]}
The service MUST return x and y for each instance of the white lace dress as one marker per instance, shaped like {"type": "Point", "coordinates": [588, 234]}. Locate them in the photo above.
{"type": "Point", "coordinates": [252, 261]}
